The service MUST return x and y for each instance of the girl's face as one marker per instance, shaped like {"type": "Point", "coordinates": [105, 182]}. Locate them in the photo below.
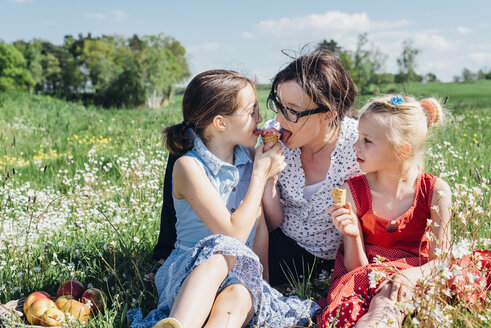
{"type": "Point", "coordinates": [373, 149]}
{"type": "Point", "coordinates": [243, 122]}
{"type": "Point", "coordinates": [294, 135]}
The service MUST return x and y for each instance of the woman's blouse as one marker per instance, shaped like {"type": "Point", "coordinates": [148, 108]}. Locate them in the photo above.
{"type": "Point", "coordinates": [307, 221]}
{"type": "Point", "coordinates": [231, 182]}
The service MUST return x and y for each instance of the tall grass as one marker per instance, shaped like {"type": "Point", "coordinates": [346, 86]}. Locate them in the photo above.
{"type": "Point", "coordinates": [81, 190]}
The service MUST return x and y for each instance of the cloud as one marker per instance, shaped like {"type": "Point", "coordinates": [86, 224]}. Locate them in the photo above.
{"type": "Point", "coordinates": [113, 15]}
{"type": "Point", "coordinates": [21, 1]}
{"type": "Point", "coordinates": [331, 21]}
{"type": "Point", "coordinates": [248, 35]}
{"type": "Point", "coordinates": [481, 58]}
{"type": "Point", "coordinates": [389, 25]}
{"type": "Point", "coordinates": [427, 39]}
{"type": "Point", "coordinates": [463, 30]}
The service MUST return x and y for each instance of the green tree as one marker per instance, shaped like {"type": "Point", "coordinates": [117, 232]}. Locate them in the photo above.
{"type": "Point", "coordinates": [99, 58]}
{"type": "Point", "coordinates": [407, 63]}
{"type": "Point", "coordinates": [367, 62]}
{"type": "Point", "coordinates": [331, 46]}
{"type": "Point", "coordinates": [127, 89]}
{"type": "Point", "coordinates": [175, 47]}
{"type": "Point", "coordinates": [161, 72]}
{"type": "Point", "coordinates": [430, 77]}
{"type": "Point", "coordinates": [34, 62]}
{"type": "Point", "coordinates": [468, 75]}
{"type": "Point", "coordinates": [363, 64]}
{"type": "Point", "coordinates": [14, 74]}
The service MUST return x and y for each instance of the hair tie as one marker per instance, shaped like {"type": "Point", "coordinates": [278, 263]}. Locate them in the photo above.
{"type": "Point", "coordinates": [397, 100]}
{"type": "Point", "coordinates": [430, 109]}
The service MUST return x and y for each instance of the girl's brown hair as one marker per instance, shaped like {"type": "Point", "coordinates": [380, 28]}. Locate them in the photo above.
{"type": "Point", "coordinates": [324, 79]}
{"type": "Point", "coordinates": [209, 94]}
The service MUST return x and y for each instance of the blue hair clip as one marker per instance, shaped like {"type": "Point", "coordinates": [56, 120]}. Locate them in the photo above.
{"type": "Point", "coordinates": [396, 100]}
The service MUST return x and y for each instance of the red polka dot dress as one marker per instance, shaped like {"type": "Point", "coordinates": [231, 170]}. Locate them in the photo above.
{"type": "Point", "coordinates": [400, 243]}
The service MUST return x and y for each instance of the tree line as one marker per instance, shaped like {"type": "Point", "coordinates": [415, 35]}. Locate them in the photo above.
{"type": "Point", "coordinates": [114, 71]}
{"type": "Point", "coordinates": [366, 63]}
{"type": "Point", "coordinates": [110, 70]}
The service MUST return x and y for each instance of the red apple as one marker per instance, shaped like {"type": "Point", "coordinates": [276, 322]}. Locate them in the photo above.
{"type": "Point", "coordinates": [53, 318]}
{"type": "Point", "coordinates": [37, 309]}
{"type": "Point", "coordinates": [71, 287]}
{"type": "Point", "coordinates": [33, 297]}
{"type": "Point", "coordinates": [60, 301]}
{"type": "Point", "coordinates": [79, 311]}
{"type": "Point", "coordinates": [97, 298]}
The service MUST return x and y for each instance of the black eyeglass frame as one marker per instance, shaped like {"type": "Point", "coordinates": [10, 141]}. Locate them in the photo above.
{"type": "Point", "coordinates": [272, 102]}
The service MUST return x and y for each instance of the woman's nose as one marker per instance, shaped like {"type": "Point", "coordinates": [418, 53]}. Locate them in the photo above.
{"type": "Point", "coordinates": [279, 117]}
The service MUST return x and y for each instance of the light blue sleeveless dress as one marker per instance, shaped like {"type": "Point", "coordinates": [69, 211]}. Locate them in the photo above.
{"type": "Point", "coordinates": [196, 244]}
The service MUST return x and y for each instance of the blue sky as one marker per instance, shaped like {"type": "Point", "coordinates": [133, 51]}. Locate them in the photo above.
{"type": "Point", "coordinates": [248, 36]}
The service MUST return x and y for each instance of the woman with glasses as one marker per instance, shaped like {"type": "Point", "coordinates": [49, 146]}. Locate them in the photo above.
{"type": "Point", "coordinates": [312, 97]}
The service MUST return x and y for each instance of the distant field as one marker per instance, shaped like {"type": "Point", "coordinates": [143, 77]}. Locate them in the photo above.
{"type": "Point", "coordinates": [81, 188]}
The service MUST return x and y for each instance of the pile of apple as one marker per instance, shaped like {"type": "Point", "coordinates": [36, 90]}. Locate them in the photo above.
{"type": "Point", "coordinates": [72, 304]}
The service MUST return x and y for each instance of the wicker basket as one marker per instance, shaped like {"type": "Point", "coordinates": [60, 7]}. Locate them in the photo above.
{"type": "Point", "coordinates": [12, 315]}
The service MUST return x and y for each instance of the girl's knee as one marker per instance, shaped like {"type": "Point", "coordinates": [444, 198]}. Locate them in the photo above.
{"type": "Point", "coordinates": [222, 261]}
{"type": "Point", "coordinates": [240, 292]}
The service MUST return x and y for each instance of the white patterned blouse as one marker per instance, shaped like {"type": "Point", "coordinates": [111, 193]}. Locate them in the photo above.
{"type": "Point", "coordinates": [307, 221]}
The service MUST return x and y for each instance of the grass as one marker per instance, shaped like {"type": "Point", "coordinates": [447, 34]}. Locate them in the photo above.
{"type": "Point", "coordinates": [81, 190]}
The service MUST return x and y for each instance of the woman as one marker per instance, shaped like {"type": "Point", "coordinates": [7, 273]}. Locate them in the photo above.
{"type": "Point", "coordinates": [312, 97]}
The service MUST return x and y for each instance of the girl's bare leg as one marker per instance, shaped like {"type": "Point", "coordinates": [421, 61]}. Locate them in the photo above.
{"type": "Point", "coordinates": [382, 311]}
{"type": "Point", "coordinates": [232, 308]}
{"type": "Point", "coordinates": [197, 293]}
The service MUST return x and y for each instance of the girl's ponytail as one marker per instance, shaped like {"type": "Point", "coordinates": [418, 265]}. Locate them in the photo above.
{"type": "Point", "coordinates": [176, 139]}
{"type": "Point", "coordinates": [433, 110]}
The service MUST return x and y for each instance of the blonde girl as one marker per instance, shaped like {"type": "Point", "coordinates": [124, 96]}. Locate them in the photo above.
{"type": "Point", "coordinates": [390, 211]}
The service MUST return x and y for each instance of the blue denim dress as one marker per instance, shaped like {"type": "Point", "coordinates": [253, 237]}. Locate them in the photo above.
{"type": "Point", "coordinates": [196, 244]}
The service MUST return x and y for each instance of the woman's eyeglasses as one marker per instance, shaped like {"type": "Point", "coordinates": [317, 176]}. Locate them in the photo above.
{"type": "Point", "coordinates": [291, 114]}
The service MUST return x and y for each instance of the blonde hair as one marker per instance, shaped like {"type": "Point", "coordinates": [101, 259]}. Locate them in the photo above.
{"type": "Point", "coordinates": [407, 120]}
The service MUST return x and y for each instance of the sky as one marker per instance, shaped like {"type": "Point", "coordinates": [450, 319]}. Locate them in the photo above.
{"type": "Point", "coordinates": [249, 36]}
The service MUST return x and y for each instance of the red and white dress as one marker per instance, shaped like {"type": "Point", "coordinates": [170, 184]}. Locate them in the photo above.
{"type": "Point", "coordinates": [402, 244]}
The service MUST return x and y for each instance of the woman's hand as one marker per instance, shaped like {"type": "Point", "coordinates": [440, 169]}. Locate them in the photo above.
{"type": "Point", "coordinates": [269, 160]}
{"type": "Point", "coordinates": [344, 219]}
{"type": "Point", "coordinates": [401, 287]}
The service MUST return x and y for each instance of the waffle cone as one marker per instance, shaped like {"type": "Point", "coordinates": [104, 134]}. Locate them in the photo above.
{"type": "Point", "coordinates": [339, 196]}
{"type": "Point", "coordinates": [270, 138]}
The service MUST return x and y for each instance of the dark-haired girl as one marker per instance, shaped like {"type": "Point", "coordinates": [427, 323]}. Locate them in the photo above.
{"type": "Point", "coordinates": [213, 278]}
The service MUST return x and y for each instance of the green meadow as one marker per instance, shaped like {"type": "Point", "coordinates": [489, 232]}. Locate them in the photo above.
{"type": "Point", "coordinates": [81, 191]}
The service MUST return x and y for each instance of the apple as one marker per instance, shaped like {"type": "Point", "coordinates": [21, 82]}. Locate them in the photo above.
{"type": "Point", "coordinates": [53, 318]}
{"type": "Point", "coordinates": [37, 309]}
{"type": "Point", "coordinates": [71, 287]}
{"type": "Point", "coordinates": [60, 301]}
{"type": "Point", "coordinates": [78, 310]}
{"type": "Point", "coordinates": [33, 297]}
{"type": "Point", "coordinates": [97, 298]}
